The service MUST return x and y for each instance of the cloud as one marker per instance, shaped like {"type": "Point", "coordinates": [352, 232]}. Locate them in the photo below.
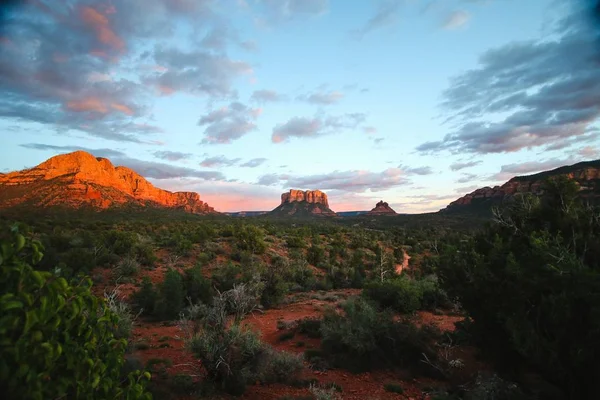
{"type": "Point", "coordinates": [386, 15]}
{"type": "Point", "coordinates": [509, 171]}
{"type": "Point", "coordinates": [229, 123]}
{"type": "Point", "coordinates": [356, 181]}
{"type": "Point", "coordinates": [226, 195]}
{"type": "Point", "coordinates": [82, 66]}
{"type": "Point", "coordinates": [369, 130]}
{"type": "Point", "coordinates": [255, 162]}
{"type": "Point", "coordinates": [281, 10]}
{"type": "Point", "coordinates": [323, 98]}
{"type": "Point", "coordinates": [148, 169]}
{"type": "Point", "coordinates": [526, 94]}
{"type": "Point", "coordinates": [416, 170]}
{"type": "Point", "coordinates": [171, 155]}
{"type": "Point", "coordinates": [199, 72]}
{"type": "Point", "coordinates": [219, 161]}
{"type": "Point", "coordinates": [466, 178]}
{"type": "Point", "coordinates": [266, 96]}
{"type": "Point", "coordinates": [106, 153]}
{"type": "Point", "coordinates": [588, 152]}
{"type": "Point", "coordinates": [456, 19]}
{"type": "Point", "coordinates": [457, 166]}
{"type": "Point", "coordinates": [303, 127]}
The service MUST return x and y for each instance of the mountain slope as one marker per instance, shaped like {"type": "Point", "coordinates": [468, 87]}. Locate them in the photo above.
{"type": "Point", "coordinates": [79, 179]}
{"type": "Point", "coordinates": [586, 174]}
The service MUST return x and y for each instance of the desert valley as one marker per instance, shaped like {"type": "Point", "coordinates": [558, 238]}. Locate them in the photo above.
{"type": "Point", "coordinates": [298, 302]}
{"type": "Point", "coordinates": [300, 199]}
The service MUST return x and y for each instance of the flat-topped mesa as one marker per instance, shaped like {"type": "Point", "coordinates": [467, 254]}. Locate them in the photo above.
{"type": "Point", "coordinates": [301, 203]}
{"type": "Point", "coordinates": [382, 208]}
{"type": "Point", "coordinates": [309, 196]}
{"type": "Point", "coordinates": [79, 179]}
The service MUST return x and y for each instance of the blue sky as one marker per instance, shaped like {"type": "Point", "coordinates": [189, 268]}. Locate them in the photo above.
{"type": "Point", "coordinates": [415, 102]}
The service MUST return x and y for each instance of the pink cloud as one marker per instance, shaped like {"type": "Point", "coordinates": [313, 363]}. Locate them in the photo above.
{"type": "Point", "coordinates": [95, 104]}
{"type": "Point", "coordinates": [100, 24]}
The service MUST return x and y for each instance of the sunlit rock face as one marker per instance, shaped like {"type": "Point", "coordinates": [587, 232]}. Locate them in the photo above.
{"type": "Point", "coordinates": [382, 208]}
{"type": "Point", "coordinates": [300, 203]}
{"type": "Point", "coordinates": [79, 179]}
{"type": "Point", "coordinates": [586, 174]}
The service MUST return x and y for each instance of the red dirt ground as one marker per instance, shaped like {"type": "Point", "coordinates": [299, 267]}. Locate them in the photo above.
{"type": "Point", "coordinates": [355, 386]}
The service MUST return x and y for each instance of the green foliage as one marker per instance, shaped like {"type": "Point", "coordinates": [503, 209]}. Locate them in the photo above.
{"type": "Point", "coordinates": [170, 301]}
{"type": "Point", "coordinates": [393, 387]}
{"type": "Point", "coordinates": [144, 300]}
{"type": "Point", "coordinates": [127, 267]}
{"type": "Point", "coordinates": [231, 354]}
{"type": "Point", "coordinates": [400, 294]}
{"type": "Point", "coordinates": [364, 338]}
{"type": "Point", "coordinates": [315, 254]}
{"type": "Point", "coordinates": [197, 287]}
{"type": "Point", "coordinates": [251, 238]}
{"type": "Point", "coordinates": [57, 339]}
{"type": "Point", "coordinates": [531, 283]}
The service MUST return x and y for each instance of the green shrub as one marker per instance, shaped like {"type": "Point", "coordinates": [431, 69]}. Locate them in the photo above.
{"type": "Point", "coordinates": [171, 296]}
{"type": "Point", "coordinates": [530, 282]}
{"type": "Point", "coordinates": [231, 354]}
{"type": "Point", "coordinates": [144, 300]}
{"type": "Point", "coordinates": [310, 327]}
{"type": "Point", "coordinates": [363, 338]}
{"type": "Point", "coordinates": [393, 387]}
{"type": "Point", "coordinates": [57, 339]}
{"type": "Point", "coordinates": [251, 238]}
{"type": "Point", "coordinates": [197, 287]}
{"type": "Point", "coordinates": [401, 294]}
{"type": "Point", "coordinates": [127, 267]}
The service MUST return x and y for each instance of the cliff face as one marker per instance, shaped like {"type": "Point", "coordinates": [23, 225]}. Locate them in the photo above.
{"type": "Point", "coordinates": [309, 196]}
{"type": "Point", "coordinates": [382, 208]}
{"type": "Point", "coordinates": [586, 174]}
{"type": "Point", "coordinates": [80, 179]}
{"type": "Point", "coordinates": [303, 203]}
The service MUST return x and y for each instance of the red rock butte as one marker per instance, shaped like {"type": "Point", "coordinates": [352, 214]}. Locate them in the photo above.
{"type": "Point", "coordinates": [79, 179]}
{"type": "Point", "coordinates": [382, 208]}
{"type": "Point", "coordinates": [303, 202]}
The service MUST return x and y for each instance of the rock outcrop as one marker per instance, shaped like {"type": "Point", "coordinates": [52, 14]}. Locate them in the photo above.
{"type": "Point", "coordinates": [303, 203]}
{"type": "Point", "coordinates": [382, 208]}
{"type": "Point", "coordinates": [79, 179]}
{"type": "Point", "coordinates": [586, 174]}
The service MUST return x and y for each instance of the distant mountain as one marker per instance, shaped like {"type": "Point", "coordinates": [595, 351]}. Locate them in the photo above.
{"type": "Point", "coordinates": [586, 174]}
{"type": "Point", "coordinates": [382, 208]}
{"type": "Point", "coordinates": [79, 179]}
{"type": "Point", "coordinates": [245, 213]}
{"type": "Point", "coordinates": [351, 213]}
{"type": "Point", "coordinates": [300, 203]}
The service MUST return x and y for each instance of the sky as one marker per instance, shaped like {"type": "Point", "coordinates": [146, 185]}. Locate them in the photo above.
{"type": "Point", "coordinates": [414, 102]}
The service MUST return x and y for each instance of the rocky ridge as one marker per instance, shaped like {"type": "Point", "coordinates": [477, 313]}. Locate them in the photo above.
{"type": "Point", "coordinates": [382, 208]}
{"type": "Point", "coordinates": [79, 179]}
{"type": "Point", "coordinates": [586, 174]}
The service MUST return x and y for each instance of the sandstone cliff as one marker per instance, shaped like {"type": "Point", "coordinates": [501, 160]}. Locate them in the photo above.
{"type": "Point", "coordinates": [303, 203]}
{"type": "Point", "coordinates": [586, 174]}
{"type": "Point", "coordinates": [382, 208]}
{"type": "Point", "coordinates": [79, 179]}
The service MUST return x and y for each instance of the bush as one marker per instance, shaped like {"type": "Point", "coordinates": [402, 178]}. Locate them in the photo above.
{"type": "Point", "coordinates": [144, 300]}
{"type": "Point", "coordinates": [364, 338]}
{"type": "Point", "coordinates": [197, 287]}
{"type": "Point", "coordinates": [393, 387]}
{"type": "Point", "coordinates": [57, 339]}
{"type": "Point", "coordinates": [530, 283]}
{"type": "Point", "coordinates": [171, 296]}
{"type": "Point", "coordinates": [127, 267]}
{"type": "Point", "coordinates": [401, 294]}
{"type": "Point", "coordinates": [231, 354]}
